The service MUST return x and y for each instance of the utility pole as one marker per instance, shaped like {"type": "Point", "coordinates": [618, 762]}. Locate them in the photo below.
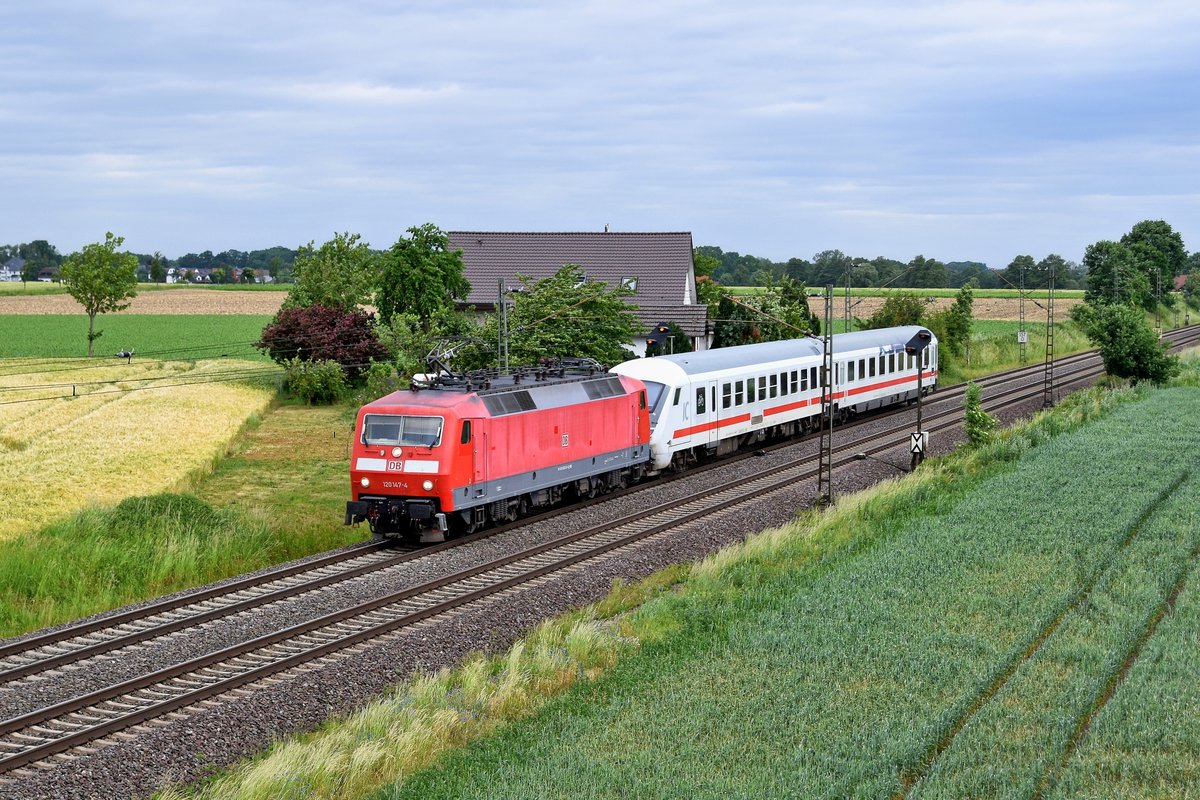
{"type": "Point", "coordinates": [846, 329]}
{"type": "Point", "coordinates": [825, 464]}
{"type": "Point", "coordinates": [1022, 335]}
{"type": "Point", "coordinates": [1048, 375]}
{"type": "Point", "coordinates": [502, 308]}
{"type": "Point", "coordinates": [1158, 302]}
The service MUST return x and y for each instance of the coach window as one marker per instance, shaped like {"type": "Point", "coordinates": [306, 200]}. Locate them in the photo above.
{"type": "Point", "coordinates": [891, 362]}
{"type": "Point", "coordinates": [750, 390]}
{"type": "Point", "coordinates": [774, 384]}
{"type": "Point", "coordinates": [850, 371]}
{"type": "Point", "coordinates": [739, 393]}
{"type": "Point", "coordinates": [795, 383]}
{"type": "Point", "coordinates": [812, 377]}
{"type": "Point", "coordinates": [726, 395]}
{"type": "Point", "coordinates": [678, 391]}
{"type": "Point", "coordinates": [882, 364]}
{"type": "Point", "coordinates": [701, 408]}
{"type": "Point", "coordinates": [862, 368]}
{"type": "Point", "coordinates": [804, 380]}
{"type": "Point", "coordinates": [871, 367]}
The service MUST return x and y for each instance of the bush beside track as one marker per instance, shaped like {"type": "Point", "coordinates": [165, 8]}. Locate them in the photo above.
{"type": "Point", "coordinates": [837, 656]}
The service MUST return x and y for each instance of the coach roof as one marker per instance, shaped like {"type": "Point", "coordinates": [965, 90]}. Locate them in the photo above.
{"type": "Point", "coordinates": [728, 358]}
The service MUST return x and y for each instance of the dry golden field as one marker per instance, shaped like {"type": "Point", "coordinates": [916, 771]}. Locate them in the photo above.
{"type": "Point", "coordinates": [174, 301]}
{"type": "Point", "coordinates": [63, 454]}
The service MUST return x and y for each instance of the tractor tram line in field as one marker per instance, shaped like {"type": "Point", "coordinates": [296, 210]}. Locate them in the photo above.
{"type": "Point", "coordinates": [63, 731]}
{"type": "Point", "coordinates": [161, 696]}
{"type": "Point", "coordinates": [1078, 600]}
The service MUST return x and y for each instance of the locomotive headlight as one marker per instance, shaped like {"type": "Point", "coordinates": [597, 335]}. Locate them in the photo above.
{"type": "Point", "coordinates": [427, 486]}
{"type": "Point", "coordinates": [396, 452]}
{"type": "Point", "coordinates": [364, 482]}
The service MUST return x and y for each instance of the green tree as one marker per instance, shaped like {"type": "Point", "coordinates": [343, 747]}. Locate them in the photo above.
{"type": "Point", "coordinates": [899, 308]}
{"type": "Point", "coordinates": [1113, 277]}
{"type": "Point", "coordinates": [101, 280]}
{"type": "Point", "coordinates": [979, 424]}
{"type": "Point", "coordinates": [704, 264]}
{"type": "Point", "coordinates": [29, 272]}
{"type": "Point", "coordinates": [158, 270]}
{"type": "Point", "coordinates": [338, 274]}
{"type": "Point", "coordinates": [781, 312]}
{"type": "Point", "coordinates": [928, 273]}
{"type": "Point", "coordinates": [1128, 346]}
{"type": "Point", "coordinates": [247, 275]}
{"type": "Point", "coordinates": [563, 316]}
{"type": "Point", "coordinates": [420, 275]}
{"type": "Point", "coordinates": [1159, 237]}
{"type": "Point", "coordinates": [1191, 289]}
{"type": "Point", "coordinates": [1021, 271]}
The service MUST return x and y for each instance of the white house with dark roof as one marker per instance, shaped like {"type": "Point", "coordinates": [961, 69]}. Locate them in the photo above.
{"type": "Point", "coordinates": [658, 267]}
{"type": "Point", "coordinates": [11, 269]}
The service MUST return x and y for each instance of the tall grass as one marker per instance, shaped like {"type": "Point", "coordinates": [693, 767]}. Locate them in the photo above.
{"type": "Point", "coordinates": [143, 547]}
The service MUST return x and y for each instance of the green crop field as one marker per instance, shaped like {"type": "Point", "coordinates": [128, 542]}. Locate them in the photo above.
{"type": "Point", "coordinates": [168, 336]}
{"type": "Point", "coordinates": [961, 653]}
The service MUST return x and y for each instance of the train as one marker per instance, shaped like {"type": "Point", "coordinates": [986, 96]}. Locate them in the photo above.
{"type": "Point", "coordinates": [455, 453]}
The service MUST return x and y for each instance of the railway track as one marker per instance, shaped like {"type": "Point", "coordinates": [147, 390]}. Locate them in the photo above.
{"type": "Point", "coordinates": [77, 723]}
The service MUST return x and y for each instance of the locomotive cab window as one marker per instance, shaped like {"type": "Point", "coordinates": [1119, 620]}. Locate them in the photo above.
{"type": "Point", "coordinates": [395, 430]}
{"type": "Point", "coordinates": [466, 432]}
{"type": "Point", "coordinates": [678, 390]}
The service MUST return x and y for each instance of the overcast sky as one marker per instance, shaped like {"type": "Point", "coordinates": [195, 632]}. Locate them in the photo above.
{"type": "Point", "coordinates": [957, 130]}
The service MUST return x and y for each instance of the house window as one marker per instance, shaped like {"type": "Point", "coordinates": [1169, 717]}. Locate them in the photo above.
{"type": "Point", "coordinates": [629, 283]}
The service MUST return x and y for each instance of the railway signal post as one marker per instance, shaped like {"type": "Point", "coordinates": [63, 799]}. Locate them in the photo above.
{"type": "Point", "coordinates": [916, 348]}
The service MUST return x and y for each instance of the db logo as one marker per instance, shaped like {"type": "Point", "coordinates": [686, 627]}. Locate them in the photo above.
{"type": "Point", "coordinates": [395, 466]}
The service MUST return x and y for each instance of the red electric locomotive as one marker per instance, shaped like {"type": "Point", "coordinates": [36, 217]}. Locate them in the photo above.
{"type": "Point", "coordinates": [455, 453]}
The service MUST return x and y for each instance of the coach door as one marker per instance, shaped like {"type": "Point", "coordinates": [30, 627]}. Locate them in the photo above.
{"type": "Point", "coordinates": [706, 395]}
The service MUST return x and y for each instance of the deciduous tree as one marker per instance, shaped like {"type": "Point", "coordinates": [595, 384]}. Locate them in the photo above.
{"type": "Point", "coordinates": [338, 274]}
{"type": "Point", "coordinates": [420, 275]}
{"type": "Point", "coordinates": [101, 280]}
{"type": "Point", "coordinates": [1128, 346]}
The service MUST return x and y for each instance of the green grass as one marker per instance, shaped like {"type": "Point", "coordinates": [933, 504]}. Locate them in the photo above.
{"type": "Point", "coordinates": [167, 336]}
{"type": "Point", "coordinates": [802, 672]}
{"type": "Point", "coordinates": [144, 547]}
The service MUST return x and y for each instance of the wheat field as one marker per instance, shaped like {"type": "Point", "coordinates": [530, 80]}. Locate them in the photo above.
{"type": "Point", "coordinates": [128, 430]}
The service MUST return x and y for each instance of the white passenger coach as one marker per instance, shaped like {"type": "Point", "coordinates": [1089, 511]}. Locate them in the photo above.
{"type": "Point", "coordinates": [717, 401]}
